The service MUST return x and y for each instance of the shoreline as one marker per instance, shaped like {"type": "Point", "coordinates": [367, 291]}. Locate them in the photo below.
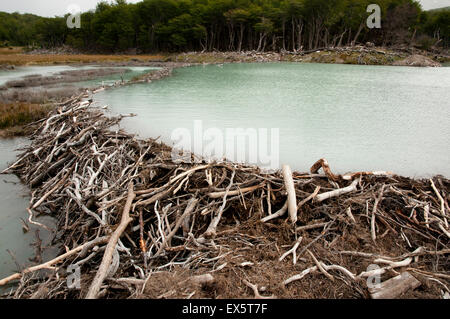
{"type": "Point", "coordinates": [361, 55]}
{"type": "Point", "coordinates": [358, 55]}
{"type": "Point", "coordinates": [230, 201]}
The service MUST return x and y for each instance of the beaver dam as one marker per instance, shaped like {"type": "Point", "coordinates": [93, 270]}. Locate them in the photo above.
{"type": "Point", "coordinates": [137, 225]}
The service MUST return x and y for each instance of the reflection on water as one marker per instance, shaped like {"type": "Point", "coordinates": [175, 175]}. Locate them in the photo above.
{"type": "Point", "coordinates": [358, 117]}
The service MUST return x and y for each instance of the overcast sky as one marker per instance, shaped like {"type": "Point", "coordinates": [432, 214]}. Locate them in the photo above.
{"type": "Point", "coordinates": [51, 8]}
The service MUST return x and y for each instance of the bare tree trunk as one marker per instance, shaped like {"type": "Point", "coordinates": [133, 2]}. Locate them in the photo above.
{"type": "Point", "coordinates": [293, 34]}
{"type": "Point", "coordinates": [357, 34]}
{"type": "Point", "coordinates": [261, 36]}
{"type": "Point", "coordinates": [311, 35]}
{"type": "Point", "coordinates": [241, 37]}
{"type": "Point", "coordinates": [349, 36]}
{"type": "Point", "coordinates": [342, 36]}
{"type": "Point", "coordinates": [413, 37]}
{"type": "Point", "coordinates": [299, 37]}
{"type": "Point", "coordinates": [231, 37]}
{"type": "Point", "coordinates": [318, 31]}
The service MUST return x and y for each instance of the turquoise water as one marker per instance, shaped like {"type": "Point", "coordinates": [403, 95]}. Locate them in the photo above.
{"type": "Point", "coordinates": [357, 117]}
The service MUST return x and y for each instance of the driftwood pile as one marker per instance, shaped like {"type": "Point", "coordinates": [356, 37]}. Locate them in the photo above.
{"type": "Point", "coordinates": [129, 218]}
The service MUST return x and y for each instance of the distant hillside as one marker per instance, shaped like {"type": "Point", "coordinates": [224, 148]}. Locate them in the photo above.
{"type": "Point", "coordinates": [439, 10]}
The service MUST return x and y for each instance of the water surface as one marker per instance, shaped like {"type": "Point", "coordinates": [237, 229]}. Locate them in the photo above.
{"type": "Point", "coordinates": [358, 117]}
{"type": "Point", "coordinates": [15, 198]}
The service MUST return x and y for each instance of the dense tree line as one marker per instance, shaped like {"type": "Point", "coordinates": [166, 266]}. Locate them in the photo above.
{"type": "Point", "coordinates": [181, 25]}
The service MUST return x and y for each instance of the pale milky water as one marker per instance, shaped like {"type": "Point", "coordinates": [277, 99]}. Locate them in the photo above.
{"type": "Point", "coordinates": [14, 199]}
{"type": "Point", "coordinates": [357, 117]}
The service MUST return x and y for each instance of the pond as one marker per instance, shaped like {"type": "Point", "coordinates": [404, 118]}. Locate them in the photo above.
{"type": "Point", "coordinates": [360, 118]}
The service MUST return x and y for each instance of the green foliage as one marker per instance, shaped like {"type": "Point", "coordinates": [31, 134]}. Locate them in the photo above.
{"type": "Point", "coordinates": [181, 25]}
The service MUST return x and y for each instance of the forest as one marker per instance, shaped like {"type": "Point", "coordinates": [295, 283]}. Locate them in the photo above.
{"type": "Point", "coordinates": [231, 25]}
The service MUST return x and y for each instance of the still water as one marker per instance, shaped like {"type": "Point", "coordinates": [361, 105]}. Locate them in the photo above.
{"type": "Point", "coordinates": [357, 117]}
{"type": "Point", "coordinates": [15, 246]}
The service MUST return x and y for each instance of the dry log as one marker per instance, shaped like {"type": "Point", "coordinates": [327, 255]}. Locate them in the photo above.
{"type": "Point", "coordinates": [111, 247]}
{"type": "Point", "coordinates": [394, 287]}
{"type": "Point", "coordinates": [292, 198]}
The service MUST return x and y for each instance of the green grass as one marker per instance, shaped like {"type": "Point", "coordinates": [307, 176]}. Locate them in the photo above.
{"type": "Point", "coordinates": [19, 113]}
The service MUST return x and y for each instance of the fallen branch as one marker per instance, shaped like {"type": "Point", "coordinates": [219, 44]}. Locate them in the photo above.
{"type": "Point", "coordinates": [394, 287]}
{"type": "Point", "coordinates": [111, 247]}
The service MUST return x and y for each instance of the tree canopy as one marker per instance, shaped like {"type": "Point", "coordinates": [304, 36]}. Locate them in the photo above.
{"type": "Point", "coordinates": [182, 25]}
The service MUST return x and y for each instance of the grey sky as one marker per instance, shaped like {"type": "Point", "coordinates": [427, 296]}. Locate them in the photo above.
{"type": "Point", "coordinates": [60, 7]}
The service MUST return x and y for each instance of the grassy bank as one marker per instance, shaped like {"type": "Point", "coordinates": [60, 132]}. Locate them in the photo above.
{"type": "Point", "coordinates": [13, 117]}
{"type": "Point", "coordinates": [16, 56]}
